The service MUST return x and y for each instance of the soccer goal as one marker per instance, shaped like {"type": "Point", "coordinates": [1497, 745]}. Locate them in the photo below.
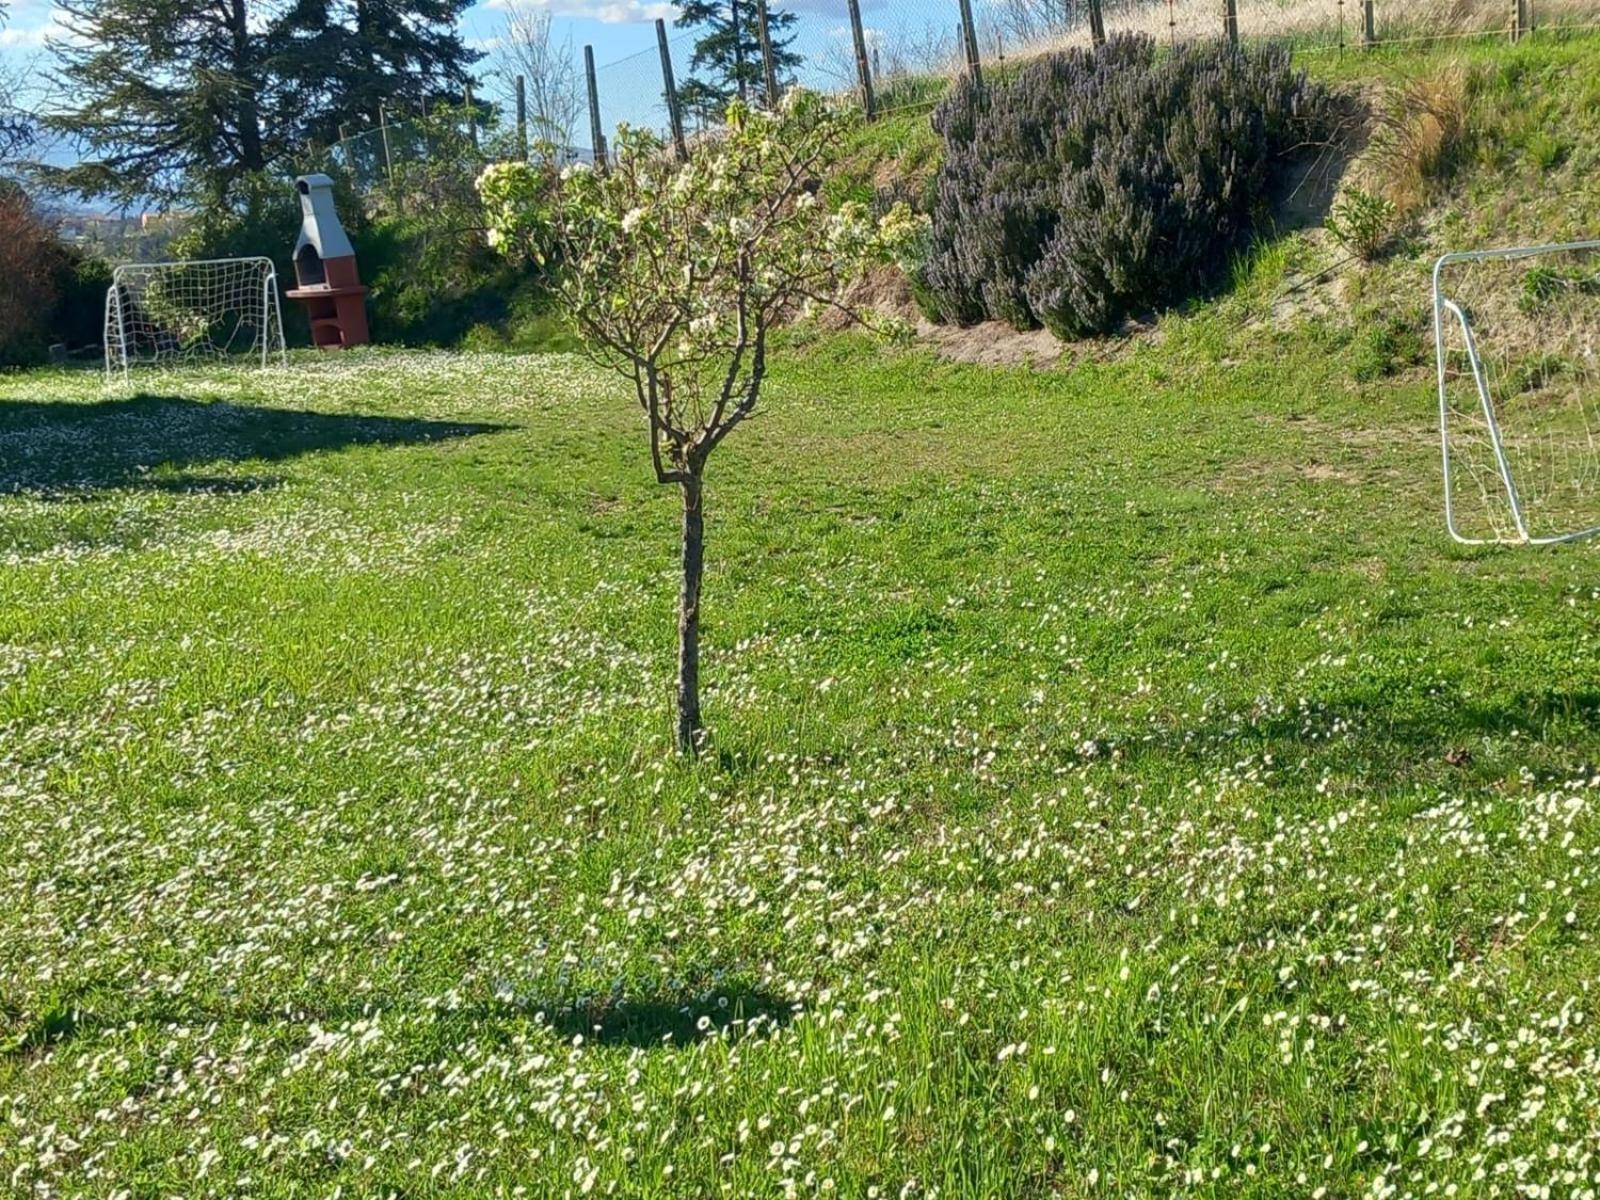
{"type": "Point", "coordinates": [172, 313]}
{"type": "Point", "coordinates": [1517, 348]}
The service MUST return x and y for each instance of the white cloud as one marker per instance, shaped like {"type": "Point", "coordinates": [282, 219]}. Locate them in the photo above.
{"type": "Point", "coordinates": [13, 38]}
{"type": "Point", "coordinates": [611, 12]}
{"type": "Point", "coordinates": [31, 25]}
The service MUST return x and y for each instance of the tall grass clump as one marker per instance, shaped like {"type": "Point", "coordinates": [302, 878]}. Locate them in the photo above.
{"type": "Point", "coordinates": [1095, 184]}
{"type": "Point", "coordinates": [1419, 135]}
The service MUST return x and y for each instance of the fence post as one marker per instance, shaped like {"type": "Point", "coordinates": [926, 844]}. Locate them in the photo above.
{"type": "Point", "coordinates": [597, 136]}
{"type": "Point", "coordinates": [1369, 24]}
{"type": "Point", "coordinates": [472, 117]}
{"type": "Point", "coordinates": [1519, 19]}
{"type": "Point", "coordinates": [969, 39]}
{"type": "Point", "coordinates": [522, 118]}
{"type": "Point", "coordinates": [869, 103]}
{"type": "Point", "coordinates": [383, 128]}
{"type": "Point", "coordinates": [769, 67]}
{"type": "Point", "coordinates": [1097, 23]}
{"type": "Point", "coordinates": [1230, 20]}
{"type": "Point", "coordinates": [344, 150]}
{"type": "Point", "coordinates": [673, 113]}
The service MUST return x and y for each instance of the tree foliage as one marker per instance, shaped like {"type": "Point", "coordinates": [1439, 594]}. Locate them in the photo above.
{"type": "Point", "coordinates": [340, 60]}
{"type": "Point", "coordinates": [677, 274]}
{"type": "Point", "coordinates": [170, 95]}
{"type": "Point", "coordinates": [16, 128]}
{"type": "Point", "coordinates": [726, 64]}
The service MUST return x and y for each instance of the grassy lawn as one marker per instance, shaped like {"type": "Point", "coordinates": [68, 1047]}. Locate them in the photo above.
{"type": "Point", "coordinates": [1120, 785]}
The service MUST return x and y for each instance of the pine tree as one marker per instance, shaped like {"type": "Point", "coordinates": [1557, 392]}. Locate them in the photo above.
{"type": "Point", "coordinates": [343, 59]}
{"type": "Point", "coordinates": [168, 93]}
{"type": "Point", "coordinates": [173, 96]}
{"type": "Point", "coordinates": [727, 57]}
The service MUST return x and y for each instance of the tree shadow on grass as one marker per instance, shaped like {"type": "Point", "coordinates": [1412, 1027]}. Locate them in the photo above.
{"type": "Point", "coordinates": [1402, 730]}
{"type": "Point", "coordinates": [661, 1022]}
{"type": "Point", "coordinates": [146, 441]}
{"type": "Point", "coordinates": [650, 1022]}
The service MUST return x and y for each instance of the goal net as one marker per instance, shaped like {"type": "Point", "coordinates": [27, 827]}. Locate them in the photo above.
{"type": "Point", "coordinates": [172, 313]}
{"type": "Point", "coordinates": [1517, 344]}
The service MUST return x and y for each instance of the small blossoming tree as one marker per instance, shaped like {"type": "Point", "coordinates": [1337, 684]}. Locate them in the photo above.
{"type": "Point", "coordinates": [676, 274]}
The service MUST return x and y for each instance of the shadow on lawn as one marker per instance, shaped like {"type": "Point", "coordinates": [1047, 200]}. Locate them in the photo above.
{"type": "Point", "coordinates": [1404, 728]}
{"type": "Point", "coordinates": [69, 449]}
{"type": "Point", "coordinates": [660, 1022]}
{"type": "Point", "coordinates": [652, 1023]}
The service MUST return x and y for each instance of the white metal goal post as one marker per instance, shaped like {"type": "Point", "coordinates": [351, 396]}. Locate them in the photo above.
{"type": "Point", "coordinates": [1517, 352]}
{"type": "Point", "coordinates": [172, 313]}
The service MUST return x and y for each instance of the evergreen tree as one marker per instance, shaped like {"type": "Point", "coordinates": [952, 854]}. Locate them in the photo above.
{"type": "Point", "coordinates": [170, 96]}
{"type": "Point", "coordinates": [343, 59]}
{"type": "Point", "coordinates": [727, 56]}
{"type": "Point", "coordinates": [168, 93]}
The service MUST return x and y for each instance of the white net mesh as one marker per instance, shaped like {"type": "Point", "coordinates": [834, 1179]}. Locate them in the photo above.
{"type": "Point", "coordinates": [1519, 392]}
{"type": "Point", "coordinates": [173, 313]}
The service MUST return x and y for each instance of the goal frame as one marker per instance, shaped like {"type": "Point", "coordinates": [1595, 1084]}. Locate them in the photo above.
{"type": "Point", "coordinates": [120, 359]}
{"type": "Point", "coordinates": [1444, 307]}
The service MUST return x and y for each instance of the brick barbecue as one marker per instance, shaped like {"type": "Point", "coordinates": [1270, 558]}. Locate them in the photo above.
{"type": "Point", "coordinates": [327, 282]}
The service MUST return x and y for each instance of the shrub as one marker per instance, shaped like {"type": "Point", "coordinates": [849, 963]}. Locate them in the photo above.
{"type": "Point", "coordinates": [1097, 183]}
{"type": "Point", "coordinates": [29, 278]}
{"type": "Point", "coordinates": [1363, 223]}
{"type": "Point", "coordinates": [1384, 346]}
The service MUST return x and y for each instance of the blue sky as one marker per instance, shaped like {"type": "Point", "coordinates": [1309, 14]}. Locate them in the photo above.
{"type": "Point", "coordinates": [614, 27]}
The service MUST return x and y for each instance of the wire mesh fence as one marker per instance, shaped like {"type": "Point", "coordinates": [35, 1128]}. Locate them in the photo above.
{"type": "Point", "coordinates": [903, 53]}
{"type": "Point", "coordinates": [910, 48]}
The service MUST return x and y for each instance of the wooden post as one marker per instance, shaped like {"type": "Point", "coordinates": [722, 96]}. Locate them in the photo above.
{"type": "Point", "coordinates": [597, 136]}
{"type": "Point", "coordinates": [1369, 24]}
{"type": "Point", "coordinates": [869, 103]}
{"type": "Point", "coordinates": [383, 127]}
{"type": "Point", "coordinates": [522, 118]}
{"type": "Point", "coordinates": [769, 66]}
{"type": "Point", "coordinates": [472, 118]}
{"type": "Point", "coordinates": [344, 150]}
{"type": "Point", "coordinates": [1097, 23]}
{"type": "Point", "coordinates": [1230, 20]}
{"type": "Point", "coordinates": [1519, 19]}
{"type": "Point", "coordinates": [969, 39]}
{"type": "Point", "coordinates": [673, 114]}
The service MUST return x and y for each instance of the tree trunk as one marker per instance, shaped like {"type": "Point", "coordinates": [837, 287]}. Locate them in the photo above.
{"type": "Point", "coordinates": [694, 530]}
{"type": "Point", "coordinates": [251, 156]}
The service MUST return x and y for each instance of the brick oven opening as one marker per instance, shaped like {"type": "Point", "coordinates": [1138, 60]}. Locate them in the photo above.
{"type": "Point", "coordinates": [308, 268]}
